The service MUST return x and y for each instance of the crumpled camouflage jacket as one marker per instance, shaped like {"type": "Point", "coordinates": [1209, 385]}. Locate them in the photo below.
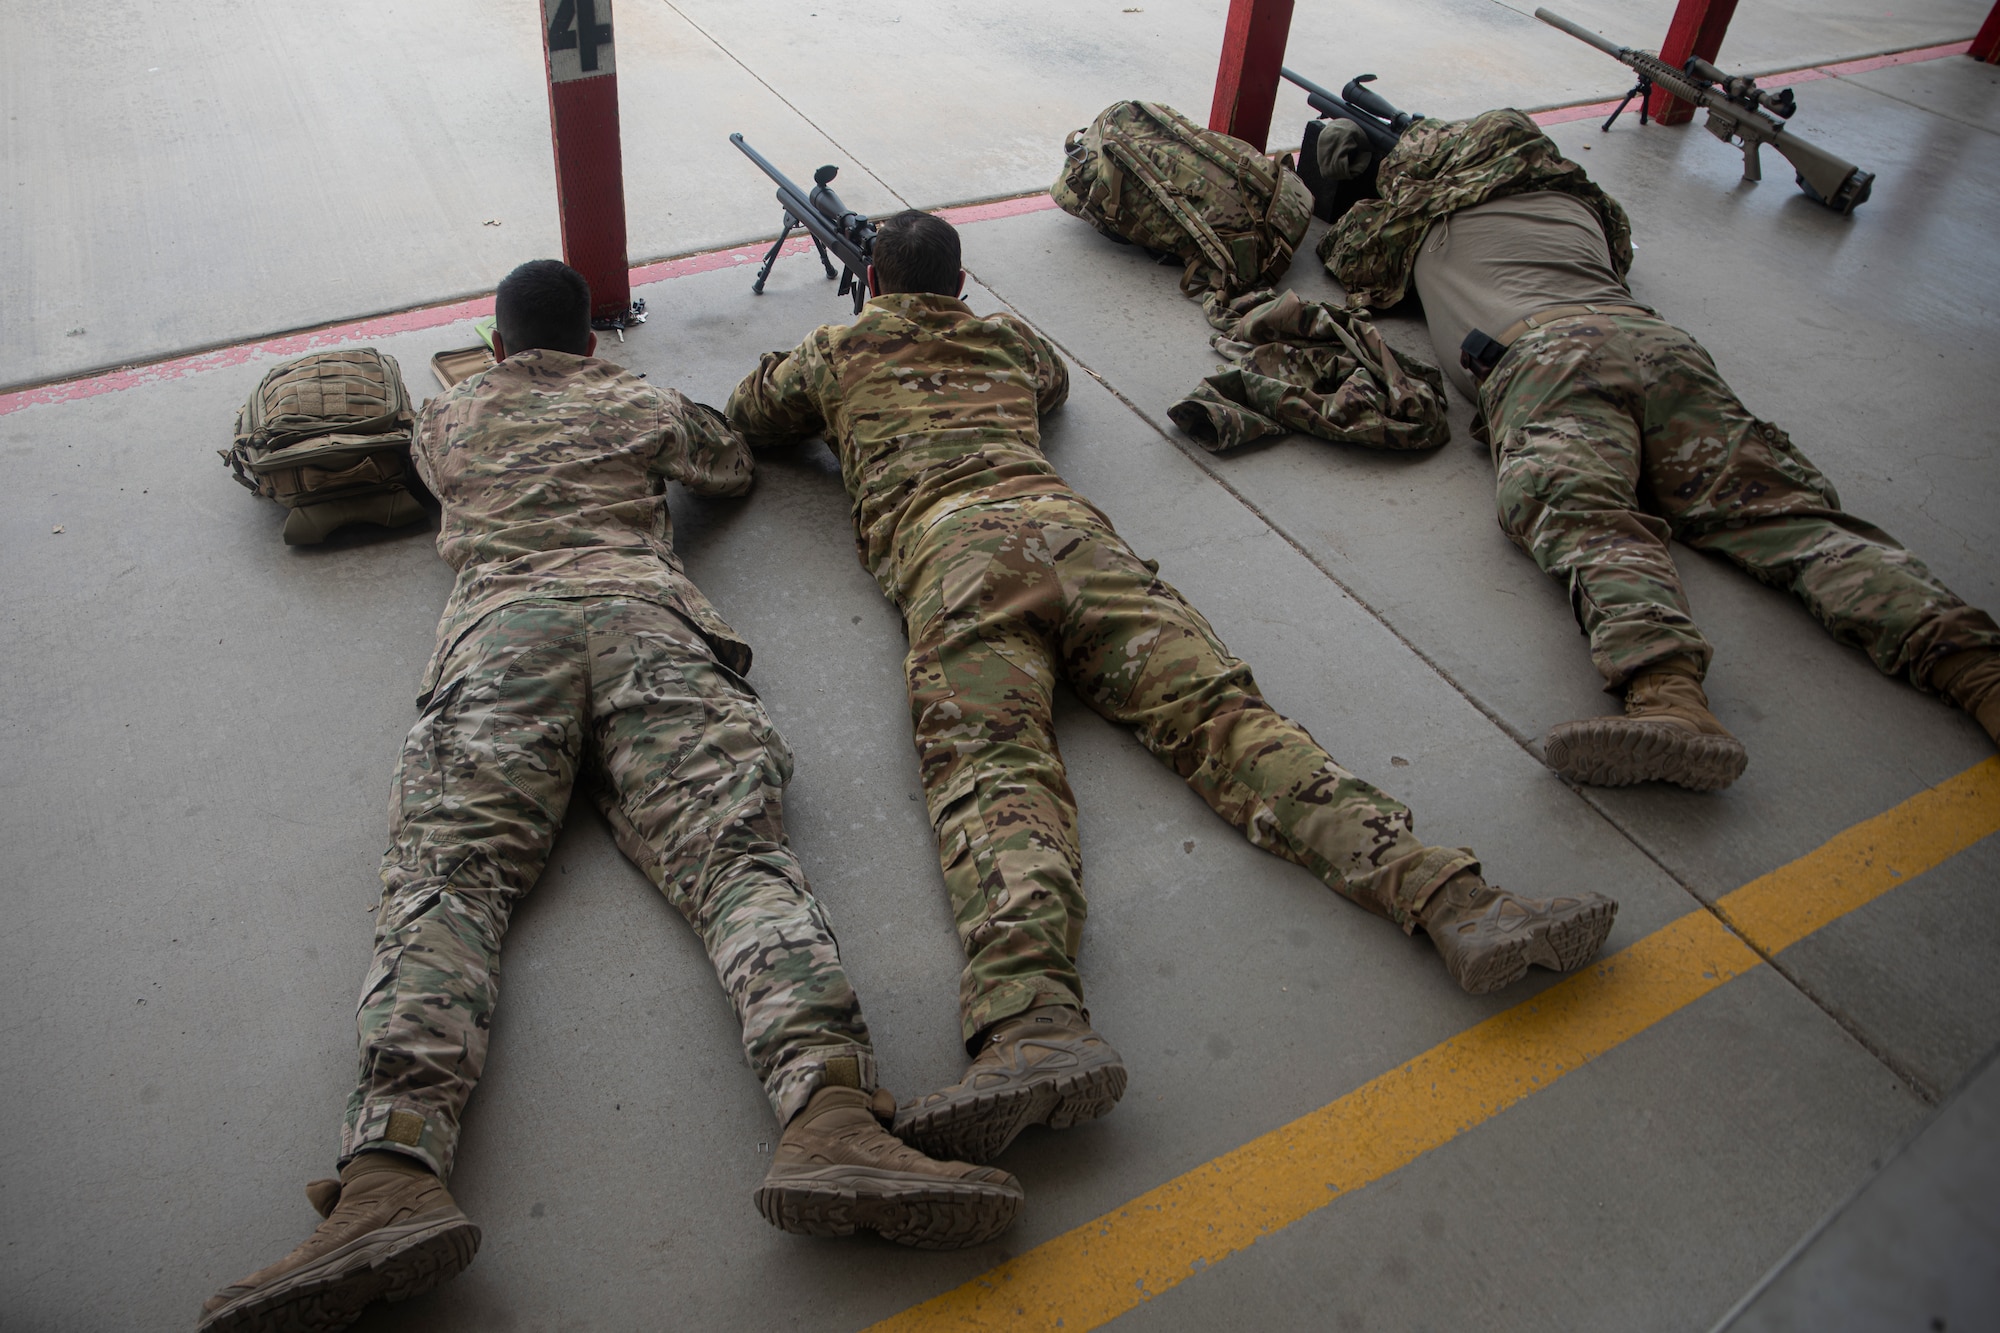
{"type": "Point", "coordinates": [930, 408]}
{"type": "Point", "coordinates": [1312, 366]}
{"type": "Point", "coordinates": [552, 472]}
{"type": "Point", "coordinates": [1439, 167]}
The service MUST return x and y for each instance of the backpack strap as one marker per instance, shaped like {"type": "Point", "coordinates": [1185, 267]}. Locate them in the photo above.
{"type": "Point", "coordinates": [1249, 170]}
{"type": "Point", "coordinates": [1191, 134]}
{"type": "Point", "coordinates": [1197, 228]}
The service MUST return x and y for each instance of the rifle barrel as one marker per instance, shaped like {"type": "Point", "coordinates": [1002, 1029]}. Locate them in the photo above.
{"type": "Point", "coordinates": [1307, 84]}
{"type": "Point", "coordinates": [1581, 33]}
{"type": "Point", "coordinates": [785, 184]}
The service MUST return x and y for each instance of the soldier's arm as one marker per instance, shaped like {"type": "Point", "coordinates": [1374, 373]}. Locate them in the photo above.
{"type": "Point", "coordinates": [701, 450]}
{"type": "Point", "coordinates": [428, 435]}
{"type": "Point", "coordinates": [1051, 375]}
{"type": "Point", "coordinates": [775, 404]}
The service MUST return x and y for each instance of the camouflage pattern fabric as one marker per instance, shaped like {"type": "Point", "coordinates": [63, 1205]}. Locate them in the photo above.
{"type": "Point", "coordinates": [328, 437]}
{"type": "Point", "coordinates": [1002, 594]}
{"type": "Point", "coordinates": [552, 470]}
{"type": "Point", "coordinates": [1437, 168]}
{"type": "Point", "coordinates": [1144, 174]}
{"type": "Point", "coordinates": [690, 774]}
{"type": "Point", "coordinates": [1017, 595]}
{"type": "Point", "coordinates": [1594, 411]}
{"type": "Point", "coordinates": [929, 407]}
{"type": "Point", "coordinates": [1311, 366]}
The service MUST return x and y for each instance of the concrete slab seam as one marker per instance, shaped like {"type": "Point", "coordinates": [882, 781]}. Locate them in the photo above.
{"type": "Point", "coordinates": [1095, 1272]}
{"type": "Point", "coordinates": [1805, 1243]}
{"type": "Point", "coordinates": [1201, 459]}
{"type": "Point", "coordinates": [111, 379]}
{"type": "Point", "coordinates": [297, 343]}
{"type": "Point", "coordinates": [1902, 1069]}
{"type": "Point", "coordinates": [1915, 1082]}
{"type": "Point", "coordinates": [789, 104]}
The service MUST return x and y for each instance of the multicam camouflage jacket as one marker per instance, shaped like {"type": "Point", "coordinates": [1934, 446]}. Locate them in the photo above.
{"type": "Point", "coordinates": [1438, 168]}
{"type": "Point", "coordinates": [552, 472]}
{"type": "Point", "coordinates": [930, 408]}
{"type": "Point", "coordinates": [1316, 367]}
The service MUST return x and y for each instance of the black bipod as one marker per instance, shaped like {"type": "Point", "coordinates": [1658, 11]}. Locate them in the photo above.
{"type": "Point", "coordinates": [631, 318]}
{"type": "Point", "coordinates": [771, 257]}
{"type": "Point", "coordinates": [1644, 92]}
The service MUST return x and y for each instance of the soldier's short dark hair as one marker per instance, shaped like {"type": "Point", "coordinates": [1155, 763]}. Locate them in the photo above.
{"type": "Point", "coordinates": [544, 303]}
{"type": "Point", "coordinates": [916, 252]}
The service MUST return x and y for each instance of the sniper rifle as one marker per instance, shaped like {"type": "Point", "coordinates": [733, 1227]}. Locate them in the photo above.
{"type": "Point", "coordinates": [831, 224]}
{"type": "Point", "coordinates": [1380, 123]}
{"type": "Point", "coordinates": [1739, 112]}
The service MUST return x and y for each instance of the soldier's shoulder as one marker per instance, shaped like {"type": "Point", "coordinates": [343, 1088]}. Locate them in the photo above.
{"type": "Point", "coordinates": [1014, 324]}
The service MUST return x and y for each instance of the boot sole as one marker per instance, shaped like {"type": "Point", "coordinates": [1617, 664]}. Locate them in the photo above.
{"type": "Point", "coordinates": [923, 1212]}
{"type": "Point", "coordinates": [391, 1263]}
{"type": "Point", "coordinates": [1614, 752]}
{"type": "Point", "coordinates": [978, 1127]}
{"type": "Point", "coordinates": [1563, 943]}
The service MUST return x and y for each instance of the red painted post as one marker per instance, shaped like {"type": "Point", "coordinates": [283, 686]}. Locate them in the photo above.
{"type": "Point", "coordinates": [1246, 86]}
{"type": "Point", "coordinates": [1986, 46]}
{"type": "Point", "coordinates": [590, 174]}
{"type": "Point", "coordinates": [1696, 30]}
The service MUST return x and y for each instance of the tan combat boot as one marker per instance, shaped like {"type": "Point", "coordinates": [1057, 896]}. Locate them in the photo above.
{"type": "Point", "coordinates": [1489, 936]}
{"type": "Point", "coordinates": [391, 1232]}
{"type": "Point", "coordinates": [1972, 681]}
{"type": "Point", "coordinates": [1043, 1067]}
{"type": "Point", "coordinates": [838, 1169]}
{"type": "Point", "coordinates": [1666, 735]}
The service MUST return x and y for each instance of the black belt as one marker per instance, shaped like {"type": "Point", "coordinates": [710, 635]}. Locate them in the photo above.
{"type": "Point", "coordinates": [1481, 352]}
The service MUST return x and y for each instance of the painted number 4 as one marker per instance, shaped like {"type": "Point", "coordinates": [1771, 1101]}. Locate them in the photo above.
{"type": "Point", "coordinates": [575, 28]}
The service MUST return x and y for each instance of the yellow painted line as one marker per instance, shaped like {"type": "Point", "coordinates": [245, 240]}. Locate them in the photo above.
{"type": "Point", "coordinates": [1860, 865]}
{"type": "Point", "coordinates": [1090, 1275]}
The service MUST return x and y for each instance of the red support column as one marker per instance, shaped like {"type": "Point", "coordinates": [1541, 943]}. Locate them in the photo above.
{"type": "Point", "coordinates": [1986, 46]}
{"type": "Point", "coordinates": [590, 173]}
{"type": "Point", "coordinates": [1697, 30]}
{"type": "Point", "coordinates": [1246, 86]}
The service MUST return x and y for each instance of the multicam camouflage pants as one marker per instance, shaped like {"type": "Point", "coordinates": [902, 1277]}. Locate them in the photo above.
{"type": "Point", "coordinates": [1614, 434]}
{"type": "Point", "coordinates": [1004, 599]}
{"type": "Point", "coordinates": [690, 775]}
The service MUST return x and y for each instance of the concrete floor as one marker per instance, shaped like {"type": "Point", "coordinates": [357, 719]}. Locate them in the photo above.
{"type": "Point", "coordinates": [1912, 1249]}
{"type": "Point", "coordinates": [203, 721]}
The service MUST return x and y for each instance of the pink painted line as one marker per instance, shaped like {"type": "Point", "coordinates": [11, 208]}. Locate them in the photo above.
{"type": "Point", "coordinates": [688, 265]}
{"type": "Point", "coordinates": [1783, 78]}
{"type": "Point", "coordinates": [430, 317]}
{"type": "Point", "coordinates": [290, 344]}
{"type": "Point", "coordinates": [1581, 111]}
{"type": "Point", "coordinates": [998, 208]}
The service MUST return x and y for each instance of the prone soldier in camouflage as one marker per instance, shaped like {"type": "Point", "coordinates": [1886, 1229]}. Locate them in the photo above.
{"type": "Point", "coordinates": [1008, 581]}
{"type": "Point", "coordinates": [1612, 434]}
{"type": "Point", "coordinates": [573, 645]}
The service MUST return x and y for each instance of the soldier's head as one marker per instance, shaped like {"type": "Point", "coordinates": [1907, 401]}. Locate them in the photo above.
{"type": "Point", "coordinates": [544, 303]}
{"type": "Point", "coordinates": [915, 252]}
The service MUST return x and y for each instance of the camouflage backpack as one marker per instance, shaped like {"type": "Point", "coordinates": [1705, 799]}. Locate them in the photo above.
{"type": "Point", "coordinates": [1146, 174]}
{"type": "Point", "coordinates": [328, 437]}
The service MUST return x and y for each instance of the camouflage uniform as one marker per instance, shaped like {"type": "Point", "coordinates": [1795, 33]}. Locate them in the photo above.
{"type": "Point", "coordinates": [1590, 412]}
{"type": "Point", "coordinates": [1437, 168]}
{"type": "Point", "coordinates": [1315, 367]}
{"type": "Point", "coordinates": [1008, 581]}
{"type": "Point", "coordinates": [573, 642]}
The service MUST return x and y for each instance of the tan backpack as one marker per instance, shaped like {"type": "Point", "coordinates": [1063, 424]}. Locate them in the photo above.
{"type": "Point", "coordinates": [1144, 173]}
{"type": "Point", "coordinates": [328, 437]}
